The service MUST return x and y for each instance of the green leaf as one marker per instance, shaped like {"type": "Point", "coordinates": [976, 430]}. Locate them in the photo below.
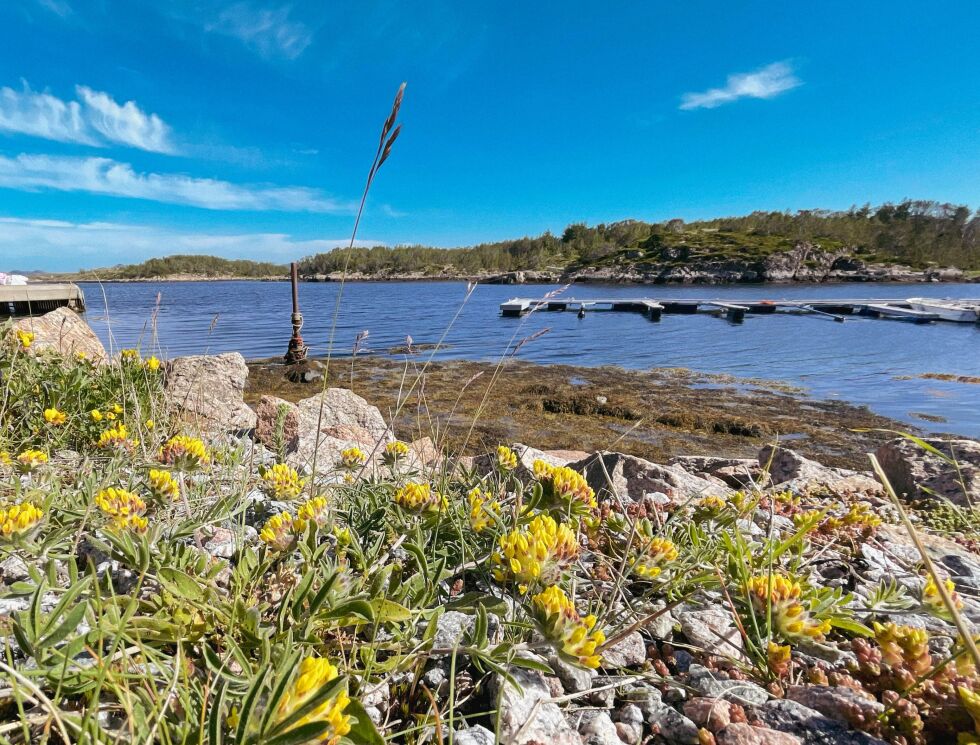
{"type": "Point", "coordinates": [249, 702]}
{"type": "Point", "coordinates": [181, 584]}
{"type": "Point", "coordinates": [362, 731]}
{"type": "Point", "coordinates": [849, 624]}
{"type": "Point", "coordinates": [361, 608]}
{"type": "Point", "coordinates": [66, 627]}
{"type": "Point", "coordinates": [322, 695]}
{"type": "Point", "coordinates": [388, 611]}
{"type": "Point", "coordinates": [216, 716]}
{"type": "Point", "coordinates": [305, 733]}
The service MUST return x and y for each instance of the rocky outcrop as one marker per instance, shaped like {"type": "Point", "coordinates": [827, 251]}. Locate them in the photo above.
{"type": "Point", "coordinates": [635, 479]}
{"type": "Point", "coordinates": [736, 472]}
{"type": "Point", "coordinates": [793, 471]}
{"type": "Point", "coordinates": [526, 455]}
{"type": "Point", "coordinates": [918, 474]}
{"type": "Point", "coordinates": [343, 419]}
{"type": "Point", "coordinates": [65, 332]}
{"type": "Point", "coordinates": [206, 392]}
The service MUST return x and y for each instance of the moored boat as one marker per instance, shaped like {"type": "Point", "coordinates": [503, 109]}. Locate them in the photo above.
{"type": "Point", "coordinates": [958, 311]}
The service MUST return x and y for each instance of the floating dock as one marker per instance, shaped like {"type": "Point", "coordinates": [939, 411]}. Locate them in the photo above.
{"type": "Point", "coordinates": [33, 299]}
{"type": "Point", "coordinates": [734, 310]}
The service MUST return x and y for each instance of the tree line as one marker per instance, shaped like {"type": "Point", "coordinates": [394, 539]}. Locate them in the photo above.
{"type": "Point", "coordinates": [915, 232]}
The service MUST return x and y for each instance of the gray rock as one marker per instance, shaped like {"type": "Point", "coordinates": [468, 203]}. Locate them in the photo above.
{"type": "Point", "coordinates": [453, 625]}
{"type": "Point", "coordinates": [375, 694]}
{"type": "Point", "coordinates": [645, 698]}
{"type": "Point", "coordinates": [628, 652]}
{"type": "Point", "coordinates": [596, 727]}
{"type": "Point", "coordinates": [740, 733]}
{"type": "Point", "coordinates": [921, 475]}
{"type": "Point", "coordinates": [474, 736]}
{"type": "Point", "coordinates": [574, 679]}
{"type": "Point", "coordinates": [65, 332]}
{"type": "Point", "coordinates": [526, 455]}
{"type": "Point", "coordinates": [673, 726]}
{"type": "Point", "coordinates": [711, 685]}
{"type": "Point", "coordinates": [277, 424]}
{"type": "Point", "coordinates": [812, 727]}
{"type": "Point", "coordinates": [837, 702]}
{"type": "Point", "coordinates": [206, 391]}
{"type": "Point", "coordinates": [632, 478]}
{"type": "Point", "coordinates": [631, 734]}
{"type": "Point", "coordinates": [710, 629]}
{"type": "Point", "coordinates": [374, 714]}
{"type": "Point", "coordinates": [737, 473]}
{"type": "Point", "coordinates": [13, 569]}
{"type": "Point", "coordinates": [527, 715]}
{"type": "Point", "coordinates": [344, 420]}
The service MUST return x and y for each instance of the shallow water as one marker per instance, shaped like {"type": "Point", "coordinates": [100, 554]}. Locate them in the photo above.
{"type": "Point", "coordinates": [861, 361]}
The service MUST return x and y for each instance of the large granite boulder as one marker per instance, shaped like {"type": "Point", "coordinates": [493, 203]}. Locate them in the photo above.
{"type": "Point", "coordinates": [206, 391]}
{"type": "Point", "coordinates": [527, 715]}
{"type": "Point", "coordinates": [63, 331]}
{"type": "Point", "coordinates": [634, 478]}
{"type": "Point", "coordinates": [343, 419]}
{"type": "Point", "coordinates": [919, 474]}
{"type": "Point", "coordinates": [793, 471]}
{"type": "Point", "coordinates": [738, 473]}
{"type": "Point", "coordinates": [526, 455]}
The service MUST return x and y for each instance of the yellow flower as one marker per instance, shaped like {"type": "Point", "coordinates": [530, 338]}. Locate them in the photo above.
{"type": "Point", "coordinates": [117, 502]}
{"type": "Point", "coordinates": [657, 552]}
{"type": "Point", "coordinates": [185, 453]}
{"type": "Point", "coordinates": [54, 417]}
{"type": "Point", "coordinates": [312, 675]}
{"type": "Point", "coordinates": [313, 510]}
{"type": "Point", "coordinates": [129, 355]}
{"type": "Point", "coordinates": [132, 523]}
{"type": "Point", "coordinates": [933, 601]}
{"type": "Point", "coordinates": [506, 458]}
{"type": "Point", "coordinates": [96, 415]}
{"type": "Point", "coordinates": [971, 702]}
{"type": "Point", "coordinates": [115, 438]}
{"type": "Point", "coordinates": [790, 616]}
{"type": "Point", "coordinates": [81, 356]}
{"type": "Point", "coordinates": [904, 647]}
{"type": "Point", "coordinates": [163, 485]}
{"type": "Point", "coordinates": [153, 364]}
{"type": "Point", "coordinates": [277, 532]}
{"type": "Point", "coordinates": [419, 497]}
{"type": "Point", "coordinates": [395, 451]}
{"type": "Point", "coordinates": [779, 658]}
{"type": "Point", "coordinates": [31, 459]}
{"type": "Point", "coordinates": [352, 458]}
{"type": "Point", "coordinates": [149, 424]}
{"type": "Point", "coordinates": [117, 409]}
{"type": "Point", "coordinates": [537, 552]}
{"type": "Point", "coordinates": [4, 458]}
{"type": "Point", "coordinates": [710, 505]}
{"type": "Point", "coordinates": [561, 624]}
{"type": "Point", "coordinates": [282, 481]}
{"type": "Point", "coordinates": [483, 511]}
{"type": "Point", "coordinates": [26, 338]}
{"type": "Point", "coordinates": [564, 486]}
{"type": "Point", "coordinates": [110, 415]}
{"type": "Point", "coordinates": [19, 519]}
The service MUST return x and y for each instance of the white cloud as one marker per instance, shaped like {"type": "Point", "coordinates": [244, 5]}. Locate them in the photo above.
{"type": "Point", "coordinates": [58, 245]}
{"type": "Point", "coordinates": [269, 31]}
{"type": "Point", "coordinates": [95, 119]}
{"type": "Point", "coordinates": [110, 177]}
{"type": "Point", "coordinates": [766, 82]}
{"type": "Point", "coordinates": [58, 7]}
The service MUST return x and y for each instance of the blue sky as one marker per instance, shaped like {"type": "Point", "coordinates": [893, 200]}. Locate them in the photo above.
{"type": "Point", "coordinates": [245, 129]}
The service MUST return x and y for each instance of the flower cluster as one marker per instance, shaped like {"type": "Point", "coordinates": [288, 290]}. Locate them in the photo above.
{"type": "Point", "coordinates": [904, 647]}
{"type": "Point", "coordinates": [352, 458]}
{"type": "Point", "coordinates": [152, 364]}
{"type": "Point", "coordinates": [19, 519]}
{"type": "Point", "coordinates": [858, 517]}
{"type": "Point", "coordinates": [31, 459]}
{"type": "Point", "coordinates": [778, 657]}
{"type": "Point", "coordinates": [710, 506]}
{"type": "Point", "coordinates": [652, 557]}
{"type": "Point", "coordinates": [537, 552]}
{"type": "Point", "coordinates": [564, 486]}
{"type": "Point", "coordinates": [25, 338]}
{"type": "Point", "coordinates": [54, 417]}
{"type": "Point", "coordinates": [116, 438]}
{"type": "Point", "coordinates": [283, 482]}
{"type": "Point", "coordinates": [933, 600]}
{"type": "Point", "coordinates": [163, 485]}
{"type": "Point", "coordinates": [311, 511]}
{"type": "Point", "coordinates": [185, 453]}
{"type": "Point", "coordinates": [129, 355]}
{"type": "Point", "coordinates": [419, 497]}
{"type": "Point", "coordinates": [790, 616]}
{"type": "Point", "coordinates": [484, 510]}
{"type": "Point", "coordinates": [506, 458]}
{"type": "Point", "coordinates": [277, 533]}
{"type": "Point", "coordinates": [312, 675]}
{"type": "Point", "coordinates": [395, 452]}
{"type": "Point", "coordinates": [125, 508]}
{"type": "Point", "coordinates": [561, 623]}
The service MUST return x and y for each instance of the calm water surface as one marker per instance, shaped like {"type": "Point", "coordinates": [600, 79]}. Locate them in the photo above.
{"type": "Point", "coordinates": [861, 361]}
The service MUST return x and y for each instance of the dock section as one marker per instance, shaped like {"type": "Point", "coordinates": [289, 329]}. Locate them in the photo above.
{"type": "Point", "coordinates": [734, 310]}
{"type": "Point", "coordinates": [34, 299]}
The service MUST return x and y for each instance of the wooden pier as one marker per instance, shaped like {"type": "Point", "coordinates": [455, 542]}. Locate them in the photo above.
{"type": "Point", "coordinates": [733, 310]}
{"type": "Point", "coordinates": [33, 299]}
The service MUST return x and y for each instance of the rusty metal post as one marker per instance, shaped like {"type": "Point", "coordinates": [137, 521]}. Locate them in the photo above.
{"type": "Point", "coordinates": [297, 349]}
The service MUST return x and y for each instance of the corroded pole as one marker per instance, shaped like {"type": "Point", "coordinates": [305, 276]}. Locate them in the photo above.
{"type": "Point", "coordinates": [297, 349]}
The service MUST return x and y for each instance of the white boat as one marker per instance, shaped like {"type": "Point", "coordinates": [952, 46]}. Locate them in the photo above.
{"type": "Point", "coordinates": [959, 311]}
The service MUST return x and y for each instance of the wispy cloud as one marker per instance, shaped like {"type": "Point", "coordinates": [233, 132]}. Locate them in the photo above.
{"type": "Point", "coordinates": [58, 7]}
{"type": "Point", "coordinates": [110, 177]}
{"type": "Point", "coordinates": [65, 246]}
{"type": "Point", "coordinates": [94, 119]}
{"type": "Point", "coordinates": [269, 31]}
{"type": "Point", "coordinates": [766, 82]}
